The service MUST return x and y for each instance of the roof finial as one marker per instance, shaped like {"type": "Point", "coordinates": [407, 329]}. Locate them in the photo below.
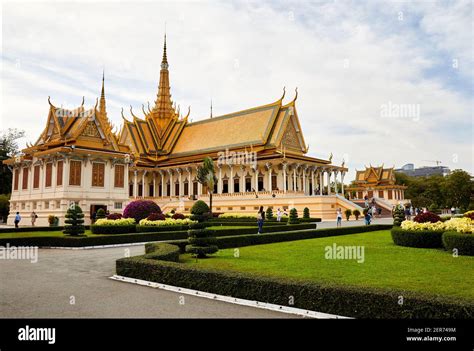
{"type": "Point", "coordinates": [211, 108]}
{"type": "Point", "coordinates": [164, 61]}
{"type": "Point", "coordinates": [102, 108]}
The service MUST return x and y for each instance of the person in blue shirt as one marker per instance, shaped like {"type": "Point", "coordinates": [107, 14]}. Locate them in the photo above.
{"type": "Point", "coordinates": [17, 219]}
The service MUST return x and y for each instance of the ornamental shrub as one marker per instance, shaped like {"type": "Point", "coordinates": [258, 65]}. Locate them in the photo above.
{"type": "Point", "coordinates": [178, 216]}
{"type": "Point", "coordinates": [156, 217]}
{"type": "Point", "coordinates": [427, 217]}
{"type": "Point", "coordinates": [293, 219]}
{"type": "Point", "coordinates": [199, 208]}
{"type": "Point", "coordinates": [348, 213]}
{"type": "Point", "coordinates": [269, 213]}
{"type": "Point", "coordinates": [201, 241]}
{"type": "Point", "coordinates": [398, 215]}
{"type": "Point", "coordinates": [74, 222]}
{"type": "Point", "coordinates": [114, 216]}
{"type": "Point", "coordinates": [356, 214]}
{"type": "Point", "coordinates": [306, 213]}
{"type": "Point", "coordinates": [100, 213]}
{"type": "Point", "coordinates": [140, 209]}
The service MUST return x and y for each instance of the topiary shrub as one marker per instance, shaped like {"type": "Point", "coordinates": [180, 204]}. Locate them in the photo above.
{"type": "Point", "coordinates": [74, 222]}
{"type": "Point", "coordinates": [100, 213]}
{"type": "Point", "coordinates": [427, 217]}
{"type": "Point", "coordinates": [269, 213]}
{"type": "Point", "coordinates": [293, 218]}
{"type": "Point", "coordinates": [156, 217]}
{"type": "Point", "coordinates": [462, 242]}
{"type": "Point", "coordinates": [201, 241]}
{"type": "Point", "coordinates": [348, 213]}
{"type": "Point", "coordinates": [199, 208]}
{"type": "Point", "coordinates": [356, 214]}
{"type": "Point", "coordinates": [398, 216]}
{"type": "Point", "coordinates": [306, 213]}
{"type": "Point", "coordinates": [114, 216]}
{"type": "Point", "coordinates": [178, 216]}
{"type": "Point", "coordinates": [140, 209]}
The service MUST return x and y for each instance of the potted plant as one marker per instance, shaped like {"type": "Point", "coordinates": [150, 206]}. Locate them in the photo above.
{"type": "Point", "coordinates": [348, 213]}
{"type": "Point", "coordinates": [356, 214]}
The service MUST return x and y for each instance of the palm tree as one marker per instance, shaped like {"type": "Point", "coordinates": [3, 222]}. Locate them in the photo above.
{"type": "Point", "coordinates": [207, 176]}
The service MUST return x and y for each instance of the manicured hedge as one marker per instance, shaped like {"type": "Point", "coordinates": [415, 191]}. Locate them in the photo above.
{"type": "Point", "coordinates": [253, 220]}
{"type": "Point", "coordinates": [170, 228]}
{"type": "Point", "coordinates": [33, 229]}
{"type": "Point", "coordinates": [112, 229]}
{"type": "Point", "coordinates": [417, 238]}
{"type": "Point", "coordinates": [162, 252]}
{"type": "Point", "coordinates": [269, 229]}
{"type": "Point", "coordinates": [96, 240]}
{"type": "Point", "coordinates": [341, 300]}
{"type": "Point", "coordinates": [464, 243]}
{"type": "Point", "coordinates": [249, 240]}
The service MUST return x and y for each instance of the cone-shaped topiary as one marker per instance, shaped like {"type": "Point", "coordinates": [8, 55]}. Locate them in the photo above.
{"type": "Point", "coordinates": [398, 216]}
{"type": "Point", "coordinates": [306, 213]}
{"type": "Point", "coordinates": [201, 241]}
{"type": "Point", "coordinates": [293, 219]}
{"type": "Point", "coordinates": [74, 223]}
{"type": "Point", "coordinates": [269, 213]}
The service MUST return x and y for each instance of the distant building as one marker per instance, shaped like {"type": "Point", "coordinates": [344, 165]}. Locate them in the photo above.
{"type": "Point", "coordinates": [378, 183]}
{"type": "Point", "coordinates": [410, 170]}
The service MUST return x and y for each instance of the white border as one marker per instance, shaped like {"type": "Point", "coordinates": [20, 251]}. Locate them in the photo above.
{"type": "Point", "coordinates": [229, 299]}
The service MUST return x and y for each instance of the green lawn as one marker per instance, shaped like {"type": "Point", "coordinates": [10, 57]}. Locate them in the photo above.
{"type": "Point", "coordinates": [386, 265]}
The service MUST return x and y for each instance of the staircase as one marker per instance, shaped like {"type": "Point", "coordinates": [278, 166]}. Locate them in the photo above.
{"type": "Point", "coordinates": [380, 203]}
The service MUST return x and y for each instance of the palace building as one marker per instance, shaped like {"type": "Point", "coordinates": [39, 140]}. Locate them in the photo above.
{"type": "Point", "coordinates": [377, 183]}
{"type": "Point", "coordinates": [260, 154]}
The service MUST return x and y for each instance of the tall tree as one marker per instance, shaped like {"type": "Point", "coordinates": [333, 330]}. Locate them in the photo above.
{"type": "Point", "coordinates": [457, 189]}
{"type": "Point", "coordinates": [206, 175]}
{"type": "Point", "coordinates": [8, 148]}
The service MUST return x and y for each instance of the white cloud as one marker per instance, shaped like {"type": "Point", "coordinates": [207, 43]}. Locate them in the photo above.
{"type": "Point", "coordinates": [346, 60]}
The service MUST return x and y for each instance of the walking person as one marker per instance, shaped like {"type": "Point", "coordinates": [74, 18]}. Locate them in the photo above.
{"type": "Point", "coordinates": [338, 217]}
{"type": "Point", "coordinates": [367, 218]}
{"type": "Point", "coordinates": [33, 217]}
{"type": "Point", "coordinates": [260, 219]}
{"type": "Point", "coordinates": [17, 219]}
{"type": "Point", "coordinates": [279, 215]}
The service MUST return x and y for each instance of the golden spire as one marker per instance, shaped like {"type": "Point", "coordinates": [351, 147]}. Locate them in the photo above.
{"type": "Point", "coordinates": [102, 108]}
{"type": "Point", "coordinates": [163, 104]}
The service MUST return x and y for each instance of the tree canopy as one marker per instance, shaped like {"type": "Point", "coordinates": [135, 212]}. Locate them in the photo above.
{"type": "Point", "coordinates": [455, 189]}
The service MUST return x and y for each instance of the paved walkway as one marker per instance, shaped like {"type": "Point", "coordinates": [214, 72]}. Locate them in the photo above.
{"type": "Point", "coordinates": [353, 222]}
{"type": "Point", "coordinates": [44, 290]}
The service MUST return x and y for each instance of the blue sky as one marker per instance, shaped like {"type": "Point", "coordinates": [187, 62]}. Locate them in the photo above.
{"type": "Point", "coordinates": [347, 58]}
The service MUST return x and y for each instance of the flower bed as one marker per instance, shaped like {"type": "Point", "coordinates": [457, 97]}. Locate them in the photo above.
{"type": "Point", "coordinates": [430, 235]}
{"type": "Point", "coordinates": [167, 222]}
{"type": "Point", "coordinates": [113, 226]}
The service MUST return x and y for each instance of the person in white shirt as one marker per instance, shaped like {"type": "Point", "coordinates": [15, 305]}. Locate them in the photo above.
{"type": "Point", "coordinates": [279, 215]}
{"type": "Point", "coordinates": [338, 217]}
